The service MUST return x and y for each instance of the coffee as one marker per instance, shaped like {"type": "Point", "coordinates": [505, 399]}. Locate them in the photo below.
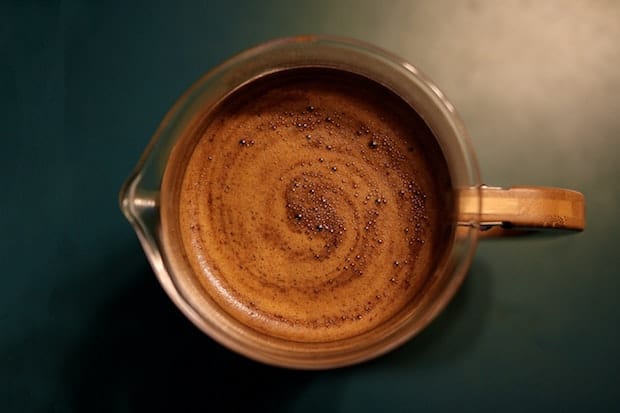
{"type": "Point", "coordinates": [310, 204]}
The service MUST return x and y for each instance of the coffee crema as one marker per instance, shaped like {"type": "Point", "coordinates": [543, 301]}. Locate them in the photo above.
{"type": "Point", "coordinates": [310, 205]}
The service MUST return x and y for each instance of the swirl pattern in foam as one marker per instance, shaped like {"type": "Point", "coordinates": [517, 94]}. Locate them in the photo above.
{"type": "Point", "coordinates": [312, 205]}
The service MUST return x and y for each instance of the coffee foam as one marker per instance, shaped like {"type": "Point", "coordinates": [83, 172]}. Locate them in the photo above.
{"type": "Point", "coordinates": [307, 210]}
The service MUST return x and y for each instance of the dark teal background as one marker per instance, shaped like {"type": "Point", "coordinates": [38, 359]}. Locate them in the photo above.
{"type": "Point", "coordinates": [84, 325]}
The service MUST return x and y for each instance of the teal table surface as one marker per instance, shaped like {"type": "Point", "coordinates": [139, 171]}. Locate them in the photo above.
{"type": "Point", "coordinates": [85, 326]}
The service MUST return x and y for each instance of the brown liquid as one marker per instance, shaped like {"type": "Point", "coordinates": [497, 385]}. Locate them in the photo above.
{"type": "Point", "coordinates": [312, 205]}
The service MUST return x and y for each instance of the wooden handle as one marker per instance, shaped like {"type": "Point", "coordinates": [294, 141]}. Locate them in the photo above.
{"type": "Point", "coordinates": [523, 209]}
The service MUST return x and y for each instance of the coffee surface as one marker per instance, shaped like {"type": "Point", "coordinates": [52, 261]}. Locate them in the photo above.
{"type": "Point", "coordinates": [312, 205]}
